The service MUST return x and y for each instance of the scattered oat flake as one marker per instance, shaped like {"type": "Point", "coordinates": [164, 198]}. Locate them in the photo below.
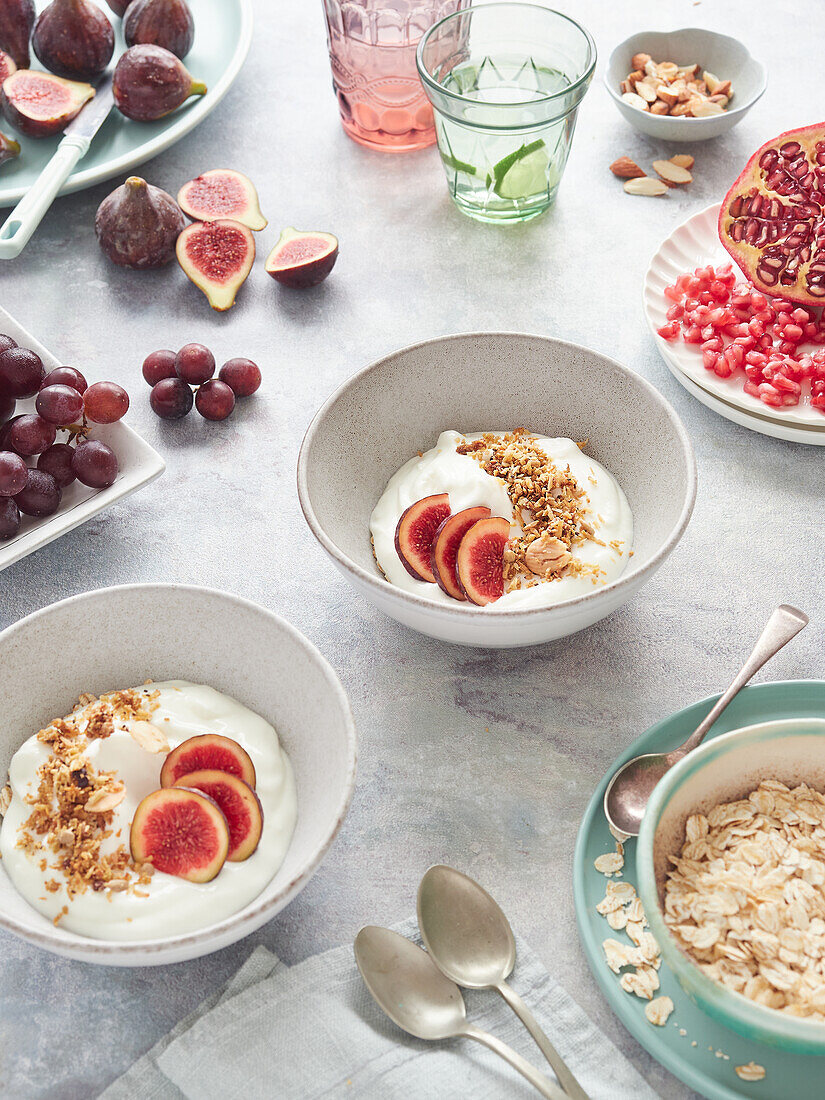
{"type": "Point", "coordinates": [609, 863]}
{"type": "Point", "coordinates": [751, 1071]}
{"type": "Point", "coordinates": [658, 1010]}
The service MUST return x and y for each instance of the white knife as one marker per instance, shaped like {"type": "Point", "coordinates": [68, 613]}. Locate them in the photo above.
{"type": "Point", "coordinates": [31, 209]}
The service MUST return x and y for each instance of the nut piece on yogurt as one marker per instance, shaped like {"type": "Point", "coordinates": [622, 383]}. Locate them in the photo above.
{"type": "Point", "coordinates": [105, 799]}
{"type": "Point", "coordinates": [149, 737]}
{"type": "Point", "coordinates": [546, 555]}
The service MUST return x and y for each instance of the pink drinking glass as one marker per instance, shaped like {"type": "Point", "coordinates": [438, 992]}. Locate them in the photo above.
{"type": "Point", "coordinates": [372, 46]}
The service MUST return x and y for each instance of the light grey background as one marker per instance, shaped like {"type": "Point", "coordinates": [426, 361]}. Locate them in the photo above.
{"type": "Point", "coordinates": [484, 760]}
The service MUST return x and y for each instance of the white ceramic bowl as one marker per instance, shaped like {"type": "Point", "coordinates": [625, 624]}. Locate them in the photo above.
{"type": "Point", "coordinates": [726, 769]}
{"type": "Point", "coordinates": [726, 57]}
{"type": "Point", "coordinates": [117, 637]}
{"type": "Point", "coordinates": [397, 407]}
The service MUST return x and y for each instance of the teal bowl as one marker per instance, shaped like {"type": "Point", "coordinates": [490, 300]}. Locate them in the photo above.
{"type": "Point", "coordinates": [723, 770]}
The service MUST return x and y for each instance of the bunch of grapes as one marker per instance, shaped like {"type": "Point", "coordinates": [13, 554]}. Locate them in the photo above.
{"type": "Point", "coordinates": [63, 403]}
{"type": "Point", "coordinates": [172, 377]}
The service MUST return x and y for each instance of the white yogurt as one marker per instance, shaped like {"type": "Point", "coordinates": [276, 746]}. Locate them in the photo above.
{"type": "Point", "coordinates": [443, 470]}
{"type": "Point", "coordinates": [173, 905]}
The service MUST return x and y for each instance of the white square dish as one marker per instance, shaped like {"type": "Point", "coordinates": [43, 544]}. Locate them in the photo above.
{"type": "Point", "coordinates": [138, 465]}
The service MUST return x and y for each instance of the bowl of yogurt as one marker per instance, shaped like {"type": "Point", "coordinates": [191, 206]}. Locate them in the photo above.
{"type": "Point", "coordinates": [179, 762]}
{"type": "Point", "coordinates": [497, 489]}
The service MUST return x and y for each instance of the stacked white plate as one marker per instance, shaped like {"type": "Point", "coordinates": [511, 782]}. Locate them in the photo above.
{"type": "Point", "coordinates": [692, 244]}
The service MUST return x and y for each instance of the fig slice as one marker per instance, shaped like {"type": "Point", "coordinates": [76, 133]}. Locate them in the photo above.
{"type": "Point", "coordinates": [9, 148]}
{"type": "Point", "coordinates": [222, 193]}
{"type": "Point", "coordinates": [208, 752]}
{"type": "Point", "coordinates": [40, 104]}
{"type": "Point", "coordinates": [7, 65]}
{"type": "Point", "coordinates": [445, 548]}
{"type": "Point", "coordinates": [180, 832]}
{"type": "Point", "coordinates": [16, 21]}
{"type": "Point", "coordinates": [415, 534]}
{"type": "Point", "coordinates": [239, 805]}
{"type": "Point", "coordinates": [301, 260]}
{"type": "Point", "coordinates": [217, 257]}
{"type": "Point", "coordinates": [480, 560]}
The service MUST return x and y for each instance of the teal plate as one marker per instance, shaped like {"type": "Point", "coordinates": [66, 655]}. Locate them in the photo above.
{"type": "Point", "coordinates": [789, 1076]}
{"type": "Point", "coordinates": [223, 33]}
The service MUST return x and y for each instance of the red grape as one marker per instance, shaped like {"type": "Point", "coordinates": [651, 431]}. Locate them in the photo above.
{"type": "Point", "coordinates": [9, 518]}
{"type": "Point", "coordinates": [13, 474]}
{"type": "Point", "coordinates": [21, 372]}
{"type": "Point", "coordinates": [171, 399]}
{"type": "Point", "coordinates": [41, 496]}
{"type": "Point", "coordinates": [66, 376]}
{"type": "Point", "coordinates": [195, 364]}
{"type": "Point", "coordinates": [31, 434]}
{"type": "Point", "coordinates": [241, 375]}
{"type": "Point", "coordinates": [105, 402]}
{"type": "Point", "coordinates": [159, 365]}
{"type": "Point", "coordinates": [214, 400]}
{"type": "Point", "coordinates": [57, 461]}
{"type": "Point", "coordinates": [59, 404]}
{"type": "Point", "coordinates": [7, 406]}
{"type": "Point", "coordinates": [94, 464]}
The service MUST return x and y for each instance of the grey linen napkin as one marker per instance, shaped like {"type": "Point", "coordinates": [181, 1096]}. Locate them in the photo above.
{"type": "Point", "coordinates": [312, 1030]}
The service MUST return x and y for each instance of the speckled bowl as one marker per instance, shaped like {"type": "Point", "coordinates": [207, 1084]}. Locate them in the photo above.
{"type": "Point", "coordinates": [727, 57]}
{"type": "Point", "coordinates": [117, 637]}
{"type": "Point", "coordinates": [397, 407]}
{"type": "Point", "coordinates": [723, 770]}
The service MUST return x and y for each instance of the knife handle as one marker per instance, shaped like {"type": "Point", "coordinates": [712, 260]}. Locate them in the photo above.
{"type": "Point", "coordinates": [29, 212]}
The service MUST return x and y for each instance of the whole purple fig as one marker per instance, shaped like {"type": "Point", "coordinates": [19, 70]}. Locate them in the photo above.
{"type": "Point", "coordinates": [138, 224]}
{"type": "Point", "coordinates": [16, 22]}
{"type": "Point", "coordinates": [74, 39]}
{"type": "Point", "coordinates": [9, 148]}
{"type": "Point", "coordinates": [166, 23]}
{"type": "Point", "coordinates": [119, 6]}
{"type": "Point", "coordinates": [150, 82]}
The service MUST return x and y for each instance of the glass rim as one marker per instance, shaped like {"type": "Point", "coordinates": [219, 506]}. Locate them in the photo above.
{"type": "Point", "coordinates": [428, 81]}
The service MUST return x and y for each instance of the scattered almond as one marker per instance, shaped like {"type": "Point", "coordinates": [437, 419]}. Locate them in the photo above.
{"type": "Point", "coordinates": [149, 737]}
{"type": "Point", "coordinates": [659, 108]}
{"type": "Point", "coordinates": [117, 884]}
{"type": "Point", "coordinates": [665, 88]}
{"type": "Point", "coordinates": [639, 60]}
{"type": "Point", "coordinates": [546, 555]}
{"type": "Point", "coordinates": [705, 108]}
{"type": "Point", "coordinates": [626, 169]}
{"type": "Point", "coordinates": [105, 799]}
{"type": "Point", "coordinates": [646, 91]}
{"type": "Point", "coordinates": [5, 794]}
{"type": "Point", "coordinates": [634, 100]}
{"type": "Point", "coordinates": [684, 160]}
{"type": "Point", "coordinates": [646, 185]}
{"type": "Point", "coordinates": [671, 173]}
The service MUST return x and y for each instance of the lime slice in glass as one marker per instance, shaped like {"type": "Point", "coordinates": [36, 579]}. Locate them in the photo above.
{"type": "Point", "coordinates": [522, 173]}
{"type": "Point", "coordinates": [456, 165]}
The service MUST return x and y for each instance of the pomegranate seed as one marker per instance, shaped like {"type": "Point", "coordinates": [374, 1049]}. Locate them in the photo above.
{"type": "Point", "coordinates": [673, 293]}
{"type": "Point", "coordinates": [675, 312]}
{"type": "Point", "coordinates": [756, 358]}
{"type": "Point", "coordinates": [713, 344]}
{"type": "Point", "coordinates": [669, 332]}
{"type": "Point", "coordinates": [710, 359]}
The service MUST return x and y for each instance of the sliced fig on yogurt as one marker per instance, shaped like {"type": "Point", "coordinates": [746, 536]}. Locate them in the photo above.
{"type": "Point", "coordinates": [445, 548]}
{"type": "Point", "coordinates": [40, 104]}
{"type": "Point", "coordinates": [239, 805]}
{"type": "Point", "coordinates": [301, 260]}
{"type": "Point", "coordinates": [209, 751]}
{"type": "Point", "coordinates": [217, 256]}
{"type": "Point", "coordinates": [415, 534]}
{"type": "Point", "coordinates": [222, 193]}
{"type": "Point", "coordinates": [480, 560]}
{"type": "Point", "coordinates": [180, 832]}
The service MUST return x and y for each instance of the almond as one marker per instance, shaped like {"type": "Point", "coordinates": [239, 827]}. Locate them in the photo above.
{"type": "Point", "coordinates": [669, 96]}
{"type": "Point", "coordinates": [105, 799]}
{"type": "Point", "coordinates": [626, 169]}
{"type": "Point", "coordinates": [684, 160]}
{"type": "Point", "coordinates": [639, 60]}
{"type": "Point", "coordinates": [646, 90]}
{"type": "Point", "coordinates": [667, 70]}
{"type": "Point", "coordinates": [659, 108]}
{"type": "Point", "coordinates": [637, 74]}
{"type": "Point", "coordinates": [671, 173]}
{"type": "Point", "coordinates": [688, 70]}
{"type": "Point", "coordinates": [626, 86]}
{"type": "Point", "coordinates": [680, 109]}
{"type": "Point", "coordinates": [650, 68]}
{"type": "Point", "coordinates": [722, 100]}
{"type": "Point", "coordinates": [149, 737]}
{"type": "Point", "coordinates": [633, 100]}
{"type": "Point", "coordinates": [712, 81]}
{"type": "Point", "coordinates": [546, 555]}
{"type": "Point", "coordinates": [704, 108]}
{"type": "Point", "coordinates": [646, 185]}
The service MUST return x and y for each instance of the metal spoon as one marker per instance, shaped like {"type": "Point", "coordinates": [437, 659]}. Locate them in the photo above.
{"type": "Point", "coordinates": [470, 941]}
{"type": "Point", "coordinates": [405, 982]}
{"type": "Point", "coordinates": [630, 788]}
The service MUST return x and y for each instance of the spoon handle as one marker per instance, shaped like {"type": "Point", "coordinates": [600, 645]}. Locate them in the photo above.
{"type": "Point", "coordinates": [566, 1079]}
{"type": "Point", "coordinates": [544, 1085]}
{"type": "Point", "coordinates": [784, 624]}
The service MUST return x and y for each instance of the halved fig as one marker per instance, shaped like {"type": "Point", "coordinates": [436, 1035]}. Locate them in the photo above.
{"type": "Point", "coordinates": [222, 193]}
{"type": "Point", "coordinates": [480, 560]}
{"type": "Point", "coordinates": [180, 832]}
{"type": "Point", "coordinates": [150, 82]}
{"type": "Point", "coordinates": [7, 65]}
{"type": "Point", "coordinates": [209, 752]}
{"type": "Point", "coordinates": [40, 104]}
{"type": "Point", "coordinates": [445, 548]}
{"type": "Point", "coordinates": [16, 21]}
{"type": "Point", "coordinates": [217, 257]}
{"type": "Point", "coordinates": [239, 805]}
{"type": "Point", "coordinates": [415, 534]}
{"type": "Point", "coordinates": [9, 148]}
{"type": "Point", "coordinates": [301, 260]}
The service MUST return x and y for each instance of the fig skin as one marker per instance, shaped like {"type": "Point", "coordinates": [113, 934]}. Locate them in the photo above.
{"type": "Point", "coordinates": [307, 270]}
{"type": "Point", "coordinates": [138, 224]}
{"type": "Point", "coordinates": [68, 97]}
{"type": "Point", "coordinates": [421, 520]}
{"type": "Point", "coordinates": [119, 6]}
{"type": "Point", "coordinates": [74, 39]}
{"type": "Point", "coordinates": [166, 23]}
{"type": "Point", "coordinates": [150, 82]}
{"type": "Point", "coordinates": [16, 21]}
{"type": "Point", "coordinates": [237, 802]}
{"type": "Point", "coordinates": [9, 148]}
{"type": "Point", "coordinates": [7, 65]}
{"type": "Point", "coordinates": [210, 751]}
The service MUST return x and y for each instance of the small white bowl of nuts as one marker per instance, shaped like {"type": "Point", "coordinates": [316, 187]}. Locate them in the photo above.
{"type": "Point", "coordinates": [685, 85]}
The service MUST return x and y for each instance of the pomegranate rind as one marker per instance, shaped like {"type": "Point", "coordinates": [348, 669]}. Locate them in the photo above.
{"type": "Point", "coordinates": [223, 246]}
{"type": "Point", "coordinates": [181, 832]}
{"type": "Point", "coordinates": [480, 560]}
{"type": "Point", "coordinates": [415, 533]}
{"type": "Point", "coordinates": [239, 805]}
{"type": "Point", "coordinates": [208, 752]}
{"type": "Point", "coordinates": [222, 193]}
{"type": "Point", "coordinates": [301, 260]}
{"type": "Point", "coordinates": [806, 220]}
{"type": "Point", "coordinates": [41, 104]}
{"type": "Point", "coordinates": [445, 548]}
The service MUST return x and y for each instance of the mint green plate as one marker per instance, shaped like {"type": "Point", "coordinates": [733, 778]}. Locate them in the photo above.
{"type": "Point", "coordinates": [789, 1076]}
{"type": "Point", "coordinates": [223, 33]}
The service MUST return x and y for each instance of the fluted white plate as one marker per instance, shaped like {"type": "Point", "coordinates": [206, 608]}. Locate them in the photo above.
{"type": "Point", "coordinates": [691, 244]}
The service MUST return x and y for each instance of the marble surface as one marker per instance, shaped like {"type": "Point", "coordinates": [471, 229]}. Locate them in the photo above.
{"type": "Point", "coordinates": [484, 760]}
